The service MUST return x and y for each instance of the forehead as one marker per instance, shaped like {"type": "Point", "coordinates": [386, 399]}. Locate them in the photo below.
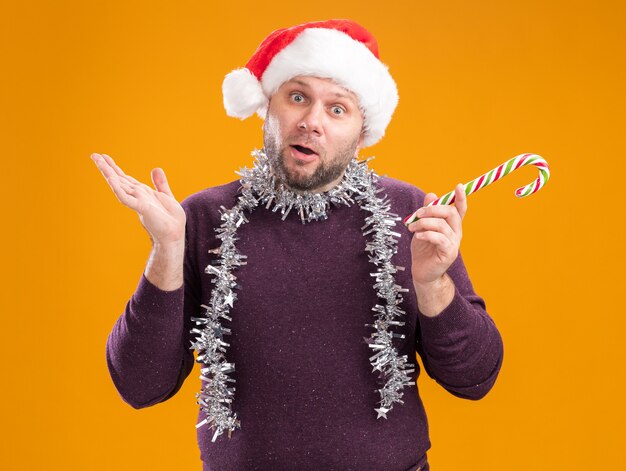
{"type": "Point", "coordinates": [322, 84]}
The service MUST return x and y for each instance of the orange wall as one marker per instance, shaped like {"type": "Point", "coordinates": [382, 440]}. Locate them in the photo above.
{"type": "Point", "coordinates": [479, 82]}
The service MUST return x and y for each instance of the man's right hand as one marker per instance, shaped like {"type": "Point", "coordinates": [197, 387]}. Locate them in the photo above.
{"type": "Point", "coordinates": [160, 214]}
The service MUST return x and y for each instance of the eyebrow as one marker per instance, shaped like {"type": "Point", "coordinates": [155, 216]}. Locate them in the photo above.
{"type": "Point", "coordinates": [337, 94]}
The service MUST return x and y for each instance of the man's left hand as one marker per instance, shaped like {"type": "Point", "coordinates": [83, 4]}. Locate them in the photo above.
{"type": "Point", "coordinates": [437, 237]}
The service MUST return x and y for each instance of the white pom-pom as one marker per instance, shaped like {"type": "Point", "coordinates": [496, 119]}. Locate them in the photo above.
{"type": "Point", "coordinates": [242, 93]}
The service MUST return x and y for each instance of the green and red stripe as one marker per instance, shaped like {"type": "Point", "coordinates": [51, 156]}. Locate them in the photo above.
{"type": "Point", "coordinates": [500, 171]}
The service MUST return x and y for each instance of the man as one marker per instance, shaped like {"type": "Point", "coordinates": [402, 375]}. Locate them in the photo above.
{"type": "Point", "coordinates": [295, 274]}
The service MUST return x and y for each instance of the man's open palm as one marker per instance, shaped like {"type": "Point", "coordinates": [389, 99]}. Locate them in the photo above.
{"type": "Point", "coordinates": [159, 212]}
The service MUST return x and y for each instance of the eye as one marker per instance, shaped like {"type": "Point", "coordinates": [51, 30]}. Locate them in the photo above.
{"type": "Point", "coordinates": [338, 110]}
{"type": "Point", "coordinates": [297, 97]}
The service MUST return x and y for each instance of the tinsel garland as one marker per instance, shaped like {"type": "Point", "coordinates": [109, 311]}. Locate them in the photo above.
{"type": "Point", "coordinates": [259, 186]}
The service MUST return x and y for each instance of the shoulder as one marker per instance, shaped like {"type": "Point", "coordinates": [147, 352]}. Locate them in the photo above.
{"type": "Point", "coordinates": [202, 208]}
{"type": "Point", "coordinates": [404, 197]}
{"type": "Point", "coordinates": [210, 199]}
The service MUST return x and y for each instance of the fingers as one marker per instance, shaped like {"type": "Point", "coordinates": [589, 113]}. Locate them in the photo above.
{"type": "Point", "coordinates": [460, 200]}
{"type": "Point", "coordinates": [116, 168]}
{"type": "Point", "coordinates": [120, 173]}
{"type": "Point", "coordinates": [124, 189]}
{"type": "Point", "coordinates": [438, 225]}
{"type": "Point", "coordinates": [429, 198]}
{"type": "Point", "coordinates": [102, 165]}
{"type": "Point", "coordinates": [445, 212]}
{"type": "Point", "coordinates": [124, 192]}
{"type": "Point", "coordinates": [445, 220]}
{"type": "Point", "coordinates": [436, 238]}
{"type": "Point", "coordinates": [108, 172]}
{"type": "Point", "coordinates": [160, 181]}
{"type": "Point", "coordinates": [452, 214]}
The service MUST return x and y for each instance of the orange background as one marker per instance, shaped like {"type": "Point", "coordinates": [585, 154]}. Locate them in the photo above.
{"type": "Point", "coordinates": [479, 83]}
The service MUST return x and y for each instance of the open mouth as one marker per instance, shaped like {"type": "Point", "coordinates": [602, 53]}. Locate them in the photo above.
{"type": "Point", "coordinates": [304, 150]}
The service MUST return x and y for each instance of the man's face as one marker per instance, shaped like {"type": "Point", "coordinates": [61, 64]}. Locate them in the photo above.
{"type": "Point", "coordinates": [313, 129]}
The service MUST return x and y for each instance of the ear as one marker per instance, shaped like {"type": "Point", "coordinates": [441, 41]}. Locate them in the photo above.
{"type": "Point", "coordinates": [361, 139]}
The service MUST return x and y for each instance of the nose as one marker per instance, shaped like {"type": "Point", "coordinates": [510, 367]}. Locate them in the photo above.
{"type": "Point", "coordinates": [311, 121]}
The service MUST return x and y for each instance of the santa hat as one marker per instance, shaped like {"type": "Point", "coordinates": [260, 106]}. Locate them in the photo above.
{"type": "Point", "coordinates": [338, 49]}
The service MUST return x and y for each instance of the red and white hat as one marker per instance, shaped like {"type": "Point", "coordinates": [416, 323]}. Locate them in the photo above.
{"type": "Point", "coordinates": [338, 49]}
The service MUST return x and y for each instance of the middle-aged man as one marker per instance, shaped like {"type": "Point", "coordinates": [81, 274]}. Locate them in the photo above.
{"type": "Point", "coordinates": [292, 283]}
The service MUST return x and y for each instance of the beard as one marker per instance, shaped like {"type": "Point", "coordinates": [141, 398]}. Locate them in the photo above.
{"type": "Point", "coordinates": [327, 170]}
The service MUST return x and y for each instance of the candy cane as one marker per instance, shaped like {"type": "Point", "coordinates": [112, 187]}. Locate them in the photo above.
{"type": "Point", "coordinates": [496, 174]}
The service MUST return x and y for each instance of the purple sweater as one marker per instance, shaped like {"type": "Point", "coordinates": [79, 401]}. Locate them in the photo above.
{"type": "Point", "coordinates": [305, 391]}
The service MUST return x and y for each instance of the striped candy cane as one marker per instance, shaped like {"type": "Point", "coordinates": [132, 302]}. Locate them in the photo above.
{"type": "Point", "coordinates": [496, 174]}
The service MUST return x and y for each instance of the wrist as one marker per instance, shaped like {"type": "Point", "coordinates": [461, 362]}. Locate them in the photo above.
{"type": "Point", "coordinates": [436, 284]}
{"type": "Point", "coordinates": [171, 246]}
{"type": "Point", "coordinates": [433, 297]}
{"type": "Point", "coordinates": [165, 265]}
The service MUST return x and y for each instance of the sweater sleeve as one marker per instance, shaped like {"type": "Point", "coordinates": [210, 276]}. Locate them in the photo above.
{"type": "Point", "coordinates": [147, 351]}
{"type": "Point", "coordinates": [461, 347]}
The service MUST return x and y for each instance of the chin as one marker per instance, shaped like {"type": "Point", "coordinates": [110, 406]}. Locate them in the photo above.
{"type": "Point", "coordinates": [297, 175]}
{"type": "Point", "coordinates": [298, 181]}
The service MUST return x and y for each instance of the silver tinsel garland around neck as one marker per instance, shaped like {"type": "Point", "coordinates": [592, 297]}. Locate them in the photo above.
{"type": "Point", "coordinates": [260, 187]}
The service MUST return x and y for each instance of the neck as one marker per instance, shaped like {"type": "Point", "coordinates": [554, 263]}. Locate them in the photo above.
{"type": "Point", "coordinates": [321, 189]}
